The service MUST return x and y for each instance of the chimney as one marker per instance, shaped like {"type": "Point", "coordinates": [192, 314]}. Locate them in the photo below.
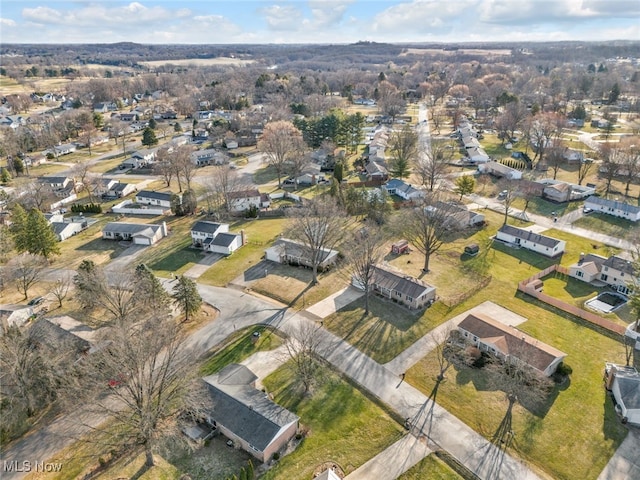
{"type": "Point", "coordinates": [243, 239]}
{"type": "Point", "coordinates": [165, 232]}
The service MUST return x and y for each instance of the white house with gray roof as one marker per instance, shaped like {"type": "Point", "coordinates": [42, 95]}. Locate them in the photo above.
{"type": "Point", "coordinates": [138, 233]}
{"type": "Point", "coordinates": [246, 415]}
{"type": "Point", "coordinates": [613, 207]}
{"type": "Point", "coordinates": [215, 237]}
{"type": "Point", "coordinates": [148, 197]}
{"type": "Point", "coordinates": [398, 187]}
{"type": "Point", "coordinates": [397, 286]}
{"type": "Point", "coordinates": [547, 246]}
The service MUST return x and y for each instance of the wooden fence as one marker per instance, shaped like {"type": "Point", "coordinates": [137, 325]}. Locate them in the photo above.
{"type": "Point", "coordinates": [526, 286]}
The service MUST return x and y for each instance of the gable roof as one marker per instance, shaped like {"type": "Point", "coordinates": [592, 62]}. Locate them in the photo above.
{"type": "Point", "coordinates": [254, 192]}
{"type": "Point", "coordinates": [614, 204]}
{"type": "Point", "coordinates": [511, 341]}
{"type": "Point", "coordinates": [529, 236]}
{"type": "Point", "coordinates": [205, 227]}
{"type": "Point", "coordinates": [155, 195]}
{"type": "Point", "coordinates": [143, 229]}
{"type": "Point", "coordinates": [47, 333]}
{"type": "Point", "coordinates": [245, 411]}
{"type": "Point", "coordinates": [590, 263]}
{"type": "Point", "coordinates": [396, 281]}
{"type": "Point", "coordinates": [224, 239]}
{"type": "Point", "coordinates": [620, 264]}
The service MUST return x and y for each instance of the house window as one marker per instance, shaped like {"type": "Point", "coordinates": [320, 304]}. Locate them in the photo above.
{"type": "Point", "coordinates": [604, 277]}
{"type": "Point", "coordinates": [475, 339]}
{"type": "Point", "coordinates": [409, 299]}
{"type": "Point", "coordinates": [579, 274]}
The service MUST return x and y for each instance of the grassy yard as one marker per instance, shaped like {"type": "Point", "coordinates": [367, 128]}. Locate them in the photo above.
{"type": "Point", "coordinates": [260, 234]}
{"type": "Point", "coordinates": [242, 344]}
{"type": "Point", "coordinates": [390, 329]}
{"type": "Point", "coordinates": [541, 434]}
{"type": "Point", "coordinates": [291, 285]}
{"type": "Point", "coordinates": [609, 225]}
{"type": "Point", "coordinates": [432, 468]}
{"type": "Point", "coordinates": [343, 426]}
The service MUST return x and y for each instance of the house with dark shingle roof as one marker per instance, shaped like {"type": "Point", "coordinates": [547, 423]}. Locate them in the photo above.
{"type": "Point", "coordinates": [52, 334]}
{"type": "Point", "coordinates": [247, 415]}
{"type": "Point", "coordinates": [292, 252]}
{"type": "Point", "coordinates": [624, 384]}
{"type": "Point", "coordinates": [404, 289]}
{"type": "Point", "coordinates": [398, 187]}
{"type": "Point", "coordinates": [547, 246]}
{"type": "Point", "coordinates": [215, 237]}
{"type": "Point", "coordinates": [148, 197]}
{"type": "Point", "coordinates": [508, 343]}
{"type": "Point", "coordinates": [587, 268]}
{"type": "Point", "coordinates": [613, 207]}
{"type": "Point", "coordinates": [619, 273]}
{"type": "Point", "coordinates": [138, 233]}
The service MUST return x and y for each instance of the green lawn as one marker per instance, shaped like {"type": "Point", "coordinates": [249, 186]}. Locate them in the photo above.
{"type": "Point", "coordinates": [241, 345]}
{"type": "Point", "coordinates": [260, 234]}
{"type": "Point", "coordinates": [609, 225]}
{"type": "Point", "coordinates": [343, 425]}
{"type": "Point", "coordinates": [431, 468]}
{"type": "Point", "coordinates": [545, 436]}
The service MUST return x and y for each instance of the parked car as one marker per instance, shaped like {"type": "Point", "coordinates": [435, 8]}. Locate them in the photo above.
{"type": "Point", "coordinates": [36, 301]}
{"type": "Point", "coordinates": [503, 194]}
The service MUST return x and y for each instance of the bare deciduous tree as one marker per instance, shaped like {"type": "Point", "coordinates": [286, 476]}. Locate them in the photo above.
{"type": "Point", "coordinates": [61, 287]}
{"type": "Point", "coordinates": [319, 226]}
{"type": "Point", "coordinates": [431, 163]}
{"type": "Point", "coordinates": [140, 379]}
{"type": "Point", "coordinates": [427, 227]}
{"type": "Point", "coordinates": [26, 270]}
{"type": "Point", "coordinates": [280, 142]}
{"type": "Point", "coordinates": [584, 167]}
{"type": "Point", "coordinates": [302, 346]}
{"type": "Point", "coordinates": [363, 251]}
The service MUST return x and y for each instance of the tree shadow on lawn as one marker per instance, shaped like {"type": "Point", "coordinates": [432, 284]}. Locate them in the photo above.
{"type": "Point", "coordinates": [611, 425]}
{"type": "Point", "coordinates": [177, 259]}
{"type": "Point", "coordinates": [100, 245]}
{"type": "Point", "coordinates": [486, 381]}
{"type": "Point", "coordinates": [526, 256]}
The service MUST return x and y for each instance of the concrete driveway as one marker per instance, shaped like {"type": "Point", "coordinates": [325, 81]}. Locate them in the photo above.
{"type": "Point", "coordinates": [625, 463]}
{"type": "Point", "coordinates": [335, 302]}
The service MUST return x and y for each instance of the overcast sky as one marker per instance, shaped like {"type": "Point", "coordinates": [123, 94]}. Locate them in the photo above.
{"type": "Point", "coordinates": [316, 21]}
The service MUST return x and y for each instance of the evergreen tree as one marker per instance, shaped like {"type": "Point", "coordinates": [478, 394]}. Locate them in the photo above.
{"type": "Point", "coordinates": [149, 291]}
{"type": "Point", "coordinates": [5, 176]}
{"type": "Point", "coordinates": [177, 127]}
{"type": "Point", "coordinates": [41, 239]}
{"type": "Point", "coordinates": [176, 205]}
{"type": "Point", "coordinates": [186, 297]}
{"type": "Point", "coordinates": [19, 229]}
{"type": "Point", "coordinates": [149, 137]}
{"type": "Point", "coordinates": [152, 123]}
{"type": "Point", "coordinates": [465, 185]}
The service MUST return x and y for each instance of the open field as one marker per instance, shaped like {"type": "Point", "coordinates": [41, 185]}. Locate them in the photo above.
{"type": "Point", "coordinates": [9, 86]}
{"type": "Point", "coordinates": [343, 425]}
{"type": "Point", "coordinates": [199, 62]}
{"type": "Point", "coordinates": [610, 225]}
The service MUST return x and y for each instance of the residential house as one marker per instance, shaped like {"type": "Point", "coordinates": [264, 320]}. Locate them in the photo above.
{"type": "Point", "coordinates": [559, 191]}
{"type": "Point", "coordinates": [573, 156]}
{"type": "Point", "coordinates": [13, 121]}
{"type": "Point", "coordinates": [547, 246]}
{"type": "Point", "coordinates": [64, 230]}
{"type": "Point", "coordinates": [209, 156]}
{"type": "Point", "coordinates": [246, 415]}
{"type": "Point", "coordinates": [509, 344]}
{"type": "Point", "coordinates": [60, 186]}
{"type": "Point", "coordinates": [500, 170]}
{"type": "Point", "coordinates": [398, 187]}
{"type": "Point", "coordinates": [14, 316]}
{"type": "Point", "coordinates": [624, 384]}
{"type": "Point", "coordinates": [459, 216]}
{"type": "Point", "coordinates": [120, 190]}
{"type": "Point", "coordinates": [62, 335]}
{"type": "Point", "coordinates": [129, 117]}
{"type": "Point", "coordinates": [65, 149]}
{"type": "Point", "coordinates": [138, 233]}
{"type": "Point", "coordinates": [618, 273]}
{"type": "Point", "coordinates": [293, 252]}
{"type": "Point", "coordinates": [394, 285]}
{"type": "Point", "coordinates": [477, 155]}
{"type": "Point", "coordinates": [614, 208]}
{"type": "Point", "coordinates": [148, 197]}
{"type": "Point", "coordinates": [104, 184]}
{"type": "Point", "coordinates": [105, 107]}
{"type": "Point", "coordinates": [215, 237]}
{"type": "Point", "coordinates": [376, 171]}
{"type": "Point", "coordinates": [588, 268]}
{"type": "Point", "coordinates": [244, 199]}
